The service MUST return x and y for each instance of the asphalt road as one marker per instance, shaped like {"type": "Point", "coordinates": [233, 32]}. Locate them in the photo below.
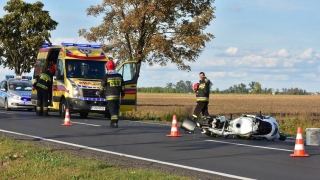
{"type": "Point", "coordinates": [226, 158]}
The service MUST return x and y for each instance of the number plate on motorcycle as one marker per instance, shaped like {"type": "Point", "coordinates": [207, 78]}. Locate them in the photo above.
{"type": "Point", "coordinates": [98, 108]}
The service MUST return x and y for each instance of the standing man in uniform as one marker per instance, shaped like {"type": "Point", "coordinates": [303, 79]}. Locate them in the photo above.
{"type": "Point", "coordinates": [202, 90]}
{"type": "Point", "coordinates": [43, 84]}
{"type": "Point", "coordinates": [113, 85]}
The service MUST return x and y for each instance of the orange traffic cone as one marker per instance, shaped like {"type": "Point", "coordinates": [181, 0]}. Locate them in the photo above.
{"type": "Point", "coordinates": [67, 118]}
{"type": "Point", "coordinates": [299, 146]}
{"type": "Point", "coordinates": [174, 128]}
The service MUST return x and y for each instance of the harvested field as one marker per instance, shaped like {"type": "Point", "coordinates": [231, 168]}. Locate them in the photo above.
{"type": "Point", "coordinates": [278, 106]}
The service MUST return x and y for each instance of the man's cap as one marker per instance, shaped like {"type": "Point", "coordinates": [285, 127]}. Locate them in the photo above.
{"type": "Point", "coordinates": [202, 73]}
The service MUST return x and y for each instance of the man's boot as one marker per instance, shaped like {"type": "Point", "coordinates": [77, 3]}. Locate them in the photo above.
{"type": "Point", "coordinates": [114, 123]}
{"type": "Point", "coordinates": [39, 111]}
{"type": "Point", "coordinates": [45, 111]}
{"type": "Point", "coordinates": [195, 119]}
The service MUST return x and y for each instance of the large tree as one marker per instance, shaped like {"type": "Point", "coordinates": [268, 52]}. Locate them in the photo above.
{"type": "Point", "coordinates": [23, 30]}
{"type": "Point", "coordinates": [152, 31]}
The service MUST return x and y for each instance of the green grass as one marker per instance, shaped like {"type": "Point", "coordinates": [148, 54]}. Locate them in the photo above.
{"type": "Point", "coordinates": [25, 160]}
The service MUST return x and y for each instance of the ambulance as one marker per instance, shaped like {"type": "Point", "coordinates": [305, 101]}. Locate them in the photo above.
{"type": "Point", "coordinates": [79, 71]}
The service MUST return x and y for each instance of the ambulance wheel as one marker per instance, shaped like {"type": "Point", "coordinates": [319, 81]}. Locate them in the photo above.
{"type": "Point", "coordinates": [6, 105]}
{"type": "Point", "coordinates": [84, 114]}
{"type": "Point", "coordinates": [62, 108]}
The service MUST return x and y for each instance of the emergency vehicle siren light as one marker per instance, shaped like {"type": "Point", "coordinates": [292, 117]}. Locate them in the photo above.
{"type": "Point", "coordinates": [82, 45]}
{"type": "Point", "coordinates": [26, 77]}
{"type": "Point", "coordinates": [68, 44]}
{"type": "Point", "coordinates": [46, 45]}
{"type": "Point", "coordinates": [9, 76]}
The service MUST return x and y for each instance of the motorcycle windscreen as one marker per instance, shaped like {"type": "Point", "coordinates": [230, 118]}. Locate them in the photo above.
{"type": "Point", "coordinates": [242, 126]}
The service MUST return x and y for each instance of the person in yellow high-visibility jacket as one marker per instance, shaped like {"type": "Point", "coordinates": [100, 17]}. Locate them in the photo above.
{"type": "Point", "coordinates": [43, 84]}
{"type": "Point", "coordinates": [202, 90]}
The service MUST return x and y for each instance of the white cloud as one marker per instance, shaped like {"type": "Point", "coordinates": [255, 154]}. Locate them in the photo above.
{"type": "Point", "coordinates": [284, 70]}
{"type": "Point", "coordinates": [283, 53]}
{"type": "Point", "coordinates": [215, 62]}
{"type": "Point", "coordinates": [231, 51]}
{"type": "Point", "coordinates": [309, 75]}
{"type": "Point", "coordinates": [256, 61]}
{"type": "Point", "coordinates": [276, 77]}
{"type": "Point", "coordinates": [269, 53]}
{"type": "Point", "coordinates": [308, 54]}
{"type": "Point", "coordinates": [288, 64]}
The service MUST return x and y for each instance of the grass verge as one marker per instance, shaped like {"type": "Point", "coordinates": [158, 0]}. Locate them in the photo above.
{"type": "Point", "coordinates": [25, 160]}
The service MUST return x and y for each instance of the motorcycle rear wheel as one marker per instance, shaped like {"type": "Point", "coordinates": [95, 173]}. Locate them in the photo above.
{"type": "Point", "coordinates": [282, 137]}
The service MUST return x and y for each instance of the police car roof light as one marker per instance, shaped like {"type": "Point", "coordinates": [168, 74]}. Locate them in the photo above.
{"type": "Point", "coordinates": [26, 77]}
{"type": "Point", "coordinates": [9, 76]}
{"type": "Point", "coordinates": [46, 45]}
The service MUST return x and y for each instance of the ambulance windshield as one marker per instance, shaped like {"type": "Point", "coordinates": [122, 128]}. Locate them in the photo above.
{"type": "Point", "coordinates": [85, 69]}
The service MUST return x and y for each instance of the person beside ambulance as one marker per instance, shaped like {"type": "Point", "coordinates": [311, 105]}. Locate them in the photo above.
{"type": "Point", "coordinates": [113, 85]}
{"type": "Point", "coordinates": [43, 85]}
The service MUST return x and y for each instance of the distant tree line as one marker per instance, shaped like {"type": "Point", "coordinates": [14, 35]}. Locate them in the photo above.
{"type": "Point", "coordinates": [253, 88]}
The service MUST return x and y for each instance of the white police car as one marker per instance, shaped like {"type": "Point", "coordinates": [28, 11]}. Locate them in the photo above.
{"type": "Point", "coordinates": [16, 93]}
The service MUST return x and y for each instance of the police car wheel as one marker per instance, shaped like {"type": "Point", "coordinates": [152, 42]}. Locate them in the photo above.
{"type": "Point", "coordinates": [84, 114]}
{"type": "Point", "coordinates": [6, 106]}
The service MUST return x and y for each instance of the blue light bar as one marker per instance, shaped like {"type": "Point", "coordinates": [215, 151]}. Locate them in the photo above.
{"type": "Point", "coordinates": [96, 46]}
{"type": "Point", "coordinates": [68, 44]}
{"type": "Point", "coordinates": [9, 76]}
{"type": "Point", "coordinates": [46, 45]}
{"type": "Point", "coordinates": [83, 45]}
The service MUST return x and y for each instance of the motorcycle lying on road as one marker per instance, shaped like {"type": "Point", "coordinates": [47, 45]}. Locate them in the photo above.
{"type": "Point", "coordinates": [247, 127]}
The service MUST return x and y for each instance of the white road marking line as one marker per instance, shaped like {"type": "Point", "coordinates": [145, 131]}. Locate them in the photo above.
{"type": "Point", "coordinates": [85, 123]}
{"type": "Point", "coordinates": [134, 157]}
{"type": "Point", "coordinates": [145, 122]}
{"type": "Point", "coordinates": [262, 147]}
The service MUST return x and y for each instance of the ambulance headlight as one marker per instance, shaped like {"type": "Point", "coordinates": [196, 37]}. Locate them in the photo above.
{"type": "Point", "coordinates": [75, 91]}
{"type": "Point", "coordinates": [14, 96]}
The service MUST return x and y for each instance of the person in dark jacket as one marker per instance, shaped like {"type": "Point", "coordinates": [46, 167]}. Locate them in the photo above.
{"type": "Point", "coordinates": [113, 85]}
{"type": "Point", "coordinates": [202, 90]}
{"type": "Point", "coordinates": [43, 85]}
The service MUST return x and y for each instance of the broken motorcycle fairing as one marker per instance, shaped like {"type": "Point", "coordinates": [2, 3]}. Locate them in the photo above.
{"type": "Point", "coordinates": [246, 126]}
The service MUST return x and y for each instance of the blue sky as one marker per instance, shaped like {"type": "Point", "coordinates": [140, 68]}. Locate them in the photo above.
{"type": "Point", "coordinates": [275, 43]}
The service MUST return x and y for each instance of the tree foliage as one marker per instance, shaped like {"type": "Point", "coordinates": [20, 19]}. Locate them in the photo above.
{"type": "Point", "coordinates": [152, 31]}
{"type": "Point", "coordinates": [23, 30]}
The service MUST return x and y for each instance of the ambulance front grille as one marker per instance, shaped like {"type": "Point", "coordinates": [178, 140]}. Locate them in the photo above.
{"type": "Point", "coordinates": [89, 93]}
